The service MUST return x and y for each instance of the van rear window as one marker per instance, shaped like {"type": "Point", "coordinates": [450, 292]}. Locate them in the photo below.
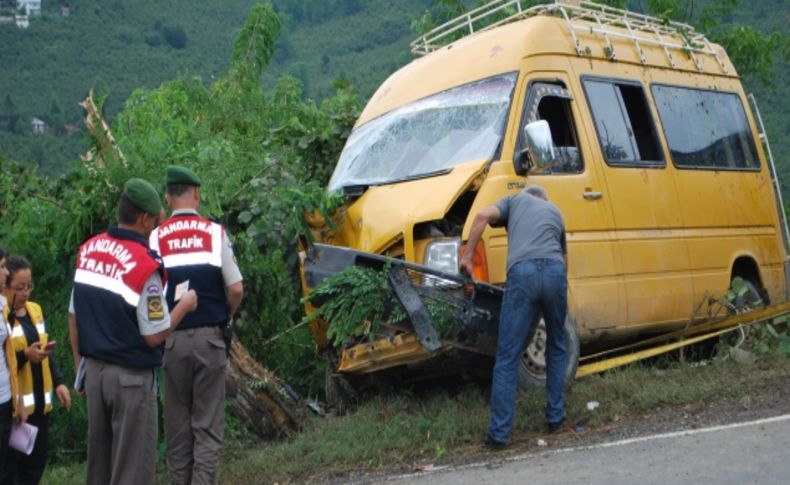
{"type": "Point", "coordinates": [706, 129]}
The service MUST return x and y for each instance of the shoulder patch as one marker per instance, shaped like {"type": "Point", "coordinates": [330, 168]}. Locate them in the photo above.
{"type": "Point", "coordinates": [156, 310]}
{"type": "Point", "coordinates": [154, 289]}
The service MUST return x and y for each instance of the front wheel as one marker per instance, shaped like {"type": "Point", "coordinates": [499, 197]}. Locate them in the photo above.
{"type": "Point", "coordinates": [339, 393]}
{"type": "Point", "coordinates": [532, 366]}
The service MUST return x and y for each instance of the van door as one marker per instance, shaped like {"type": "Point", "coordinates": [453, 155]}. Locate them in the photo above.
{"type": "Point", "coordinates": [641, 189]}
{"type": "Point", "coordinates": [573, 183]}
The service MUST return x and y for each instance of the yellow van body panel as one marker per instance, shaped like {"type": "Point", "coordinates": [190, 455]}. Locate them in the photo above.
{"type": "Point", "coordinates": [385, 215]}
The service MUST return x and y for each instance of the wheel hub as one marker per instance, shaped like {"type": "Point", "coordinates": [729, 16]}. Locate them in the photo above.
{"type": "Point", "coordinates": [533, 359]}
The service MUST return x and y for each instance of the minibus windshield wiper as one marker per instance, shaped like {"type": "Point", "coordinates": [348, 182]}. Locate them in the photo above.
{"type": "Point", "coordinates": [354, 190]}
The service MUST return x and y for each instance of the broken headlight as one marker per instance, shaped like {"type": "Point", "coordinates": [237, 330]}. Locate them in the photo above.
{"type": "Point", "coordinates": [443, 254]}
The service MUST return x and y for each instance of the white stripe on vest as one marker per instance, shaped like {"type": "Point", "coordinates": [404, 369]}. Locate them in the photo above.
{"type": "Point", "coordinates": [30, 399]}
{"type": "Point", "coordinates": [189, 259]}
{"type": "Point", "coordinates": [111, 284]}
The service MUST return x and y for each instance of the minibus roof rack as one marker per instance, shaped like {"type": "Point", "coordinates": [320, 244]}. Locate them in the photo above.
{"type": "Point", "coordinates": [608, 22]}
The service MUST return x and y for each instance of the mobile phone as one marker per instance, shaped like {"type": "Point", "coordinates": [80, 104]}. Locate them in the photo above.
{"type": "Point", "coordinates": [50, 345]}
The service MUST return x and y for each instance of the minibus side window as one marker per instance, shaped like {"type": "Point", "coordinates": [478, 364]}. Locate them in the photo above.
{"type": "Point", "coordinates": [622, 120]}
{"type": "Point", "coordinates": [706, 129]}
{"type": "Point", "coordinates": [551, 102]}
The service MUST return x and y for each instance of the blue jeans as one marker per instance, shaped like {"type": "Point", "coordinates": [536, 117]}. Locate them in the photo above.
{"type": "Point", "coordinates": [533, 285]}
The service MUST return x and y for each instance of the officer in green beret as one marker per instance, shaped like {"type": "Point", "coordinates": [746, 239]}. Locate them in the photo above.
{"type": "Point", "coordinates": [198, 255]}
{"type": "Point", "coordinates": [118, 319]}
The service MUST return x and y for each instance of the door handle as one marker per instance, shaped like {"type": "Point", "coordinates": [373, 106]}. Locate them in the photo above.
{"type": "Point", "coordinates": [592, 195]}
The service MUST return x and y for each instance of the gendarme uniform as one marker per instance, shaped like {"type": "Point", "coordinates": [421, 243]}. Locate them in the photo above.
{"type": "Point", "coordinates": [198, 255]}
{"type": "Point", "coordinates": [118, 298]}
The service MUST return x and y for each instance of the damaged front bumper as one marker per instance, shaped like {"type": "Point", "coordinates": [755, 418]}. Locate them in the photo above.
{"type": "Point", "coordinates": [474, 308]}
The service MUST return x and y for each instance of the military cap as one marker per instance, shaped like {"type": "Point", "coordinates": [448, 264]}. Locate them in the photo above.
{"type": "Point", "coordinates": [181, 175]}
{"type": "Point", "coordinates": [143, 195]}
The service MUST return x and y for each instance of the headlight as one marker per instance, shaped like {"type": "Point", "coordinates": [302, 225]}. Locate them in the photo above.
{"type": "Point", "coordinates": [442, 254]}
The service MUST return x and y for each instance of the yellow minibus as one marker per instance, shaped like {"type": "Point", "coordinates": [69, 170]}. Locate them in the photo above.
{"type": "Point", "coordinates": [655, 162]}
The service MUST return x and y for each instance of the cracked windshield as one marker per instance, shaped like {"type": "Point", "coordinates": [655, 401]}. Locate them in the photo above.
{"type": "Point", "coordinates": [431, 135]}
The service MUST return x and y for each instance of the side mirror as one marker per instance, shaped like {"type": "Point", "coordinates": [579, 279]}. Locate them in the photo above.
{"type": "Point", "coordinates": [539, 145]}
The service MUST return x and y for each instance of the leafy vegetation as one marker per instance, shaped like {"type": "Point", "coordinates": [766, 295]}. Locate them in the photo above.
{"type": "Point", "coordinates": [264, 158]}
{"type": "Point", "coordinates": [359, 294]}
{"type": "Point", "coordinates": [349, 297]}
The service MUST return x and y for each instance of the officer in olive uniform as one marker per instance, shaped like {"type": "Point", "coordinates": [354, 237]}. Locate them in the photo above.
{"type": "Point", "coordinates": [197, 254]}
{"type": "Point", "coordinates": [118, 319]}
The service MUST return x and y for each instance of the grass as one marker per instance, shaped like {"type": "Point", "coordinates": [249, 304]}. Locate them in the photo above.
{"type": "Point", "coordinates": [397, 431]}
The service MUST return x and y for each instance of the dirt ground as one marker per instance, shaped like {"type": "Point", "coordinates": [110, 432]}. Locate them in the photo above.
{"type": "Point", "coordinates": [765, 397]}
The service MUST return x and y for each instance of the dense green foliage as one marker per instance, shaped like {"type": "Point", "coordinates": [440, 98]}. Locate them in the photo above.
{"type": "Point", "coordinates": [264, 158]}
{"type": "Point", "coordinates": [359, 294]}
{"type": "Point", "coordinates": [355, 302]}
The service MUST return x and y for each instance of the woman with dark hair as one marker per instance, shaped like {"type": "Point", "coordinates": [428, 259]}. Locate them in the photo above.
{"type": "Point", "coordinates": [10, 407]}
{"type": "Point", "coordinates": [37, 372]}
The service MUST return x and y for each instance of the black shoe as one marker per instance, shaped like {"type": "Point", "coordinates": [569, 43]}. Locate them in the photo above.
{"type": "Point", "coordinates": [493, 444]}
{"type": "Point", "coordinates": [556, 427]}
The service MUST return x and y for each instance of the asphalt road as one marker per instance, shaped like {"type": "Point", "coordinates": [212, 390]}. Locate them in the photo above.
{"type": "Point", "coordinates": [745, 452]}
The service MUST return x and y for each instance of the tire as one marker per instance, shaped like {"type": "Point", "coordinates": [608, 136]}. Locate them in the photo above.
{"type": "Point", "coordinates": [751, 299]}
{"type": "Point", "coordinates": [339, 394]}
{"type": "Point", "coordinates": [532, 366]}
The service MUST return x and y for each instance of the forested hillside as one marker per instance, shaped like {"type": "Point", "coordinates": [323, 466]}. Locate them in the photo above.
{"type": "Point", "coordinates": [773, 100]}
{"type": "Point", "coordinates": [117, 46]}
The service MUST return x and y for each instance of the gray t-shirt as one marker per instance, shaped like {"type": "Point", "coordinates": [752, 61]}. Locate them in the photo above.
{"type": "Point", "coordinates": [535, 229]}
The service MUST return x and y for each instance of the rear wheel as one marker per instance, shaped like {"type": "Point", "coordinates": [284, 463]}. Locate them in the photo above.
{"type": "Point", "coordinates": [532, 367]}
{"type": "Point", "coordinates": [744, 294]}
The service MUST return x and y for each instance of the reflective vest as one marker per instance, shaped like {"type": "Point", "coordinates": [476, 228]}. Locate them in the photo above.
{"type": "Point", "coordinates": [191, 248]}
{"type": "Point", "coordinates": [112, 269]}
{"type": "Point", "coordinates": [25, 373]}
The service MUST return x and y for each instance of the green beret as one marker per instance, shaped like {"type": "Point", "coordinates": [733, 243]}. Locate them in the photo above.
{"type": "Point", "coordinates": [181, 175]}
{"type": "Point", "coordinates": [143, 195]}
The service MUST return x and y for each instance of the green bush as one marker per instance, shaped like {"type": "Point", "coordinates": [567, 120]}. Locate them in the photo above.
{"type": "Point", "coordinates": [264, 159]}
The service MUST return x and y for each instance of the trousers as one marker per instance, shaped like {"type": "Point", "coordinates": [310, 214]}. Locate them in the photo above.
{"type": "Point", "coordinates": [122, 426]}
{"type": "Point", "coordinates": [194, 377]}
{"type": "Point", "coordinates": [533, 287]}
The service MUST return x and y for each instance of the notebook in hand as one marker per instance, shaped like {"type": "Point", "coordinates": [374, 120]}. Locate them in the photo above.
{"type": "Point", "coordinates": [23, 437]}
